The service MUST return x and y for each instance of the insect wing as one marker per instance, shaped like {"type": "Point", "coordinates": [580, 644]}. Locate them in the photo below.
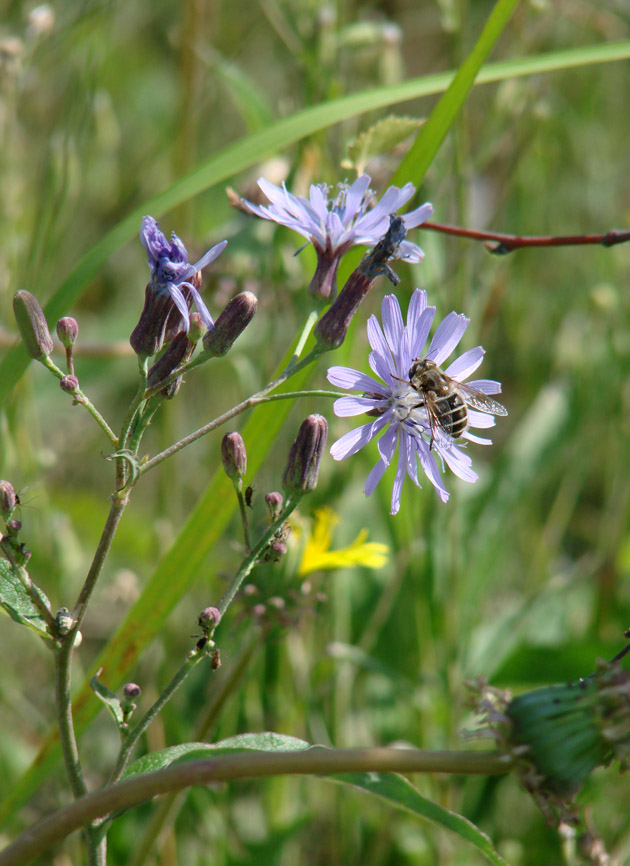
{"type": "Point", "coordinates": [478, 400]}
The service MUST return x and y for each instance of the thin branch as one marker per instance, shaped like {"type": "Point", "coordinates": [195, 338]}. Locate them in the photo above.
{"type": "Point", "coordinates": [500, 244]}
{"type": "Point", "coordinates": [52, 829]}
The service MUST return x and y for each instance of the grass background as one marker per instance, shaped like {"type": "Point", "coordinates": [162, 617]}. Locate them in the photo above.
{"type": "Point", "coordinates": [522, 578]}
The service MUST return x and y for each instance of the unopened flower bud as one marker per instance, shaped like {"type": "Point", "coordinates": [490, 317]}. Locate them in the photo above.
{"type": "Point", "coordinates": [178, 352]}
{"type": "Point", "coordinates": [209, 618]}
{"type": "Point", "coordinates": [234, 455]}
{"type": "Point", "coordinates": [274, 504]}
{"type": "Point", "coordinates": [8, 499]}
{"type": "Point", "coordinates": [14, 526]}
{"type": "Point", "coordinates": [32, 325]}
{"type": "Point", "coordinates": [67, 331]}
{"type": "Point", "coordinates": [69, 384]}
{"type": "Point", "coordinates": [131, 691]}
{"type": "Point", "coordinates": [231, 323]}
{"type": "Point", "coordinates": [300, 475]}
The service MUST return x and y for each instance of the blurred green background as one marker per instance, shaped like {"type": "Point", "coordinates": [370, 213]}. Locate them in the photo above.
{"type": "Point", "coordinates": [522, 579]}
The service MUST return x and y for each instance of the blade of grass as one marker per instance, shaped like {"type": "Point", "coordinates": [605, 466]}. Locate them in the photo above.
{"type": "Point", "coordinates": [255, 147]}
{"type": "Point", "coordinates": [415, 164]}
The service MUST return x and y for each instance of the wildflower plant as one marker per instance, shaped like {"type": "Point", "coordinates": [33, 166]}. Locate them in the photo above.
{"type": "Point", "coordinates": [417, 429]}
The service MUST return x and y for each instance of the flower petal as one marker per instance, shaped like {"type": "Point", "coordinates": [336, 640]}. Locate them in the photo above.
{"type": "Point", "coordinates": [353, 441]}
{"type": "Point", "coordinates": [210, 256]}
{"type": "Point", "coordinates": [449, 333]}
{"type": "Point", "coordinates": [486, 386]}
{"type": "Point", "coordinates": [392, 322]}
{"type": "Point", "coordinates": [346, 377]}
{"type": "Point", "coordinates": [347, 407]}
{"type": "Point", "coordinates": [418, 216]}
{"type": "Point", "coordinates": [466, 364]}
{"type": "Point", "coordinates": [480, 419]}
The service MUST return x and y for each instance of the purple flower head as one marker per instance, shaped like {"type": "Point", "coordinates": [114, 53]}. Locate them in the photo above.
{"type": "Point", "coordinates": [335, 223]}
{"type": "Point", "coordinates": [400, 410]}
{"type": "Point", "coordinates": [171, 271]}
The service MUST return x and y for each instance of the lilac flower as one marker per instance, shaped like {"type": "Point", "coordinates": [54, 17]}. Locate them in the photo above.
{"type": "Point", "coordinates": [174, 284]}
{"type": "Point", "coordinates": [400, 419]}
{"type": "Point", "coordinates": [335, 224]}
{"type": "Point", "coordinates": [171, 271]}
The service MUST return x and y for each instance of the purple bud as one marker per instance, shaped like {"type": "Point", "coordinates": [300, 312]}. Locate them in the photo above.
{"type": "Point", "coordinates": [8, 499]}
{"type": "Point", "coordinates": [178, 352]}
{"type": "Point", "coordinates": [300, 475]}
{"type": "Point", "coordinates": [274, 504]}
{"type": "Point", "coordinates": [32, 325]}
{"type": "Point", "coordinates": [209, 618]}
{"type": "Point", "coordinates": [67, 331]}
{"type": "Point", "coordinates": [69, 384]}
{"type": "Point", "coordinates": [132, 690]}
{"type": "Point", "coordinates": [14, 526]}
{"type": "Point", "coordinates": [234, 455]}
{"type": "Point", "coordinates": [231, 323]}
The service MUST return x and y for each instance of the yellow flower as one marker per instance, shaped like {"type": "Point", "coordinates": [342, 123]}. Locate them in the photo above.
{"type": "Point", "coordinates": [317, 555]}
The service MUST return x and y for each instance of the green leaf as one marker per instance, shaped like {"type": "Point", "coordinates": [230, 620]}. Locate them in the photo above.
{"type": "Point", "coordinates": [17, 602]}
{"type": "Point", "coordinates": [393, 788]}
{"type": "Point", "coordinates": [111, 701]}
{"type": "Point", "coordinates": [266, 741]}
{"type": "Point", "coordinates": [400, 792]}
{"type": "Point", "coordinates": [380, 138]}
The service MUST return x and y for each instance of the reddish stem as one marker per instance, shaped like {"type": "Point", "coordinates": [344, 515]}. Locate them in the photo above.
{"type": "Point", "coordinates": [501, 244]}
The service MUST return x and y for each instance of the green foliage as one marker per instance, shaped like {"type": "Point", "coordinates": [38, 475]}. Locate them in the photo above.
{"type": "Point", "coordinates": [16, 601]}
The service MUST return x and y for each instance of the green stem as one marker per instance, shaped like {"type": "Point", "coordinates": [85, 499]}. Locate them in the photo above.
{"type": "Point", "coordinates": [249, 403]}
{"type": "Point", "coordinates": [238, 487]}
{"type": "Point", "coordinates": [118, 506]}
{"type": "Point", "coordinates": [227, 684]}
{"type": "Point", "coordinates": [253, 765]}
{"type": "Point", "coordinates": [138, 400]}
{"type": "Point", "coordinates": [193, 659]}
{"type": "Point", "coordinates": [82, 400]}
{"type": "Point", "coordinates": [252, 558]}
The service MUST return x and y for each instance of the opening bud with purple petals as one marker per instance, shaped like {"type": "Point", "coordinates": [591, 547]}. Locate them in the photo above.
{"type": "Point", "coordinates": [32, 325]}
{"type": "Point", "coordinates": [209, 619]}
{"type": "Point", "coordinates": [236, 316]}
{"type": "Point", "coordinates": [300, 475]}
{"type": "Point", "coordinates": [174, 285]}
{"type": "Point", "coordinates": [234, 456]}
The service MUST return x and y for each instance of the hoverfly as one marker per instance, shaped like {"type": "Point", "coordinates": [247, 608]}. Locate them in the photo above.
{"type": "Point", "coordinates": [446, 401]}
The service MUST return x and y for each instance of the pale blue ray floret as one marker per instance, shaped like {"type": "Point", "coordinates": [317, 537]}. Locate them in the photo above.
{"type": "Point", "coordinates": [339, 221]}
